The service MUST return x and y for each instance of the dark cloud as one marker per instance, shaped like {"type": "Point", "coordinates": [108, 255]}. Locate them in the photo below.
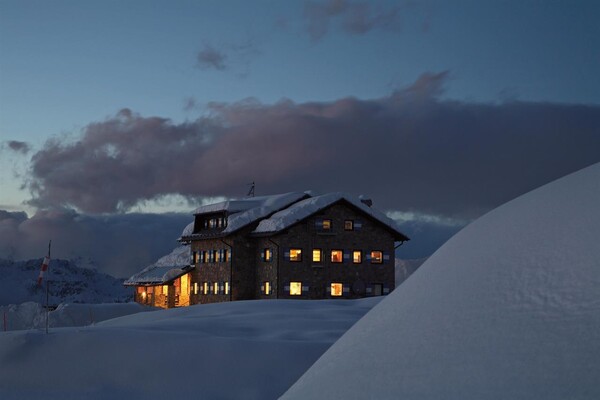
{"type": "Point", "coordinates": [355, 17]}
{"type": "Point", "coordinates": [211, 58]}
{"type": "Point", "coordinates": [410, 151]}
{"type": "Point", "coordinates": [17, 146]}
{"type": "Point", "coordinates": [118, 244]}
{"type": "Point", "coordinates": [234, 57]}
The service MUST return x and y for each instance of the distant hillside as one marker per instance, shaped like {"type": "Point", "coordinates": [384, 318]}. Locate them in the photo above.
{"type": "Point", "coordinates": [405, 268]}
{"type": "Point", "coordinates": [70, 283]}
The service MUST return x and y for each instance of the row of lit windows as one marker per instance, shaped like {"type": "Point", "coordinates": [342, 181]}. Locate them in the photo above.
{"type": "Point", "coordinates": [327, 225]}
{"type": "Point", "coordinates": [336, 289]}
{"type": "Point", "coordinates": [211, 256]}
{"type": "Point", "coordinates": [211, 288]}
{"type": "Point", "coordinates": [337, 256]}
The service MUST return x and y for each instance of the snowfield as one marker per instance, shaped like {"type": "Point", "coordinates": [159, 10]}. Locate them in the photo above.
{"type": "Point", "coordinates": [509, 308]}
{"type": "Point", "coordinates": [240, 350]}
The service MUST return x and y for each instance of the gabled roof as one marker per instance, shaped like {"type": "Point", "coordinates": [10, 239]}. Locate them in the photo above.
{"type": "Point", "coordinates": [245, 211]}
{"type": "Point", "coordinates": [305, 208]}
{"type": "Point", "coordinates": [164, 270]}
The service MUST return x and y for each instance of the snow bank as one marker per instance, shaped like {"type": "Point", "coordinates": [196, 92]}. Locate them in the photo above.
{"type": "Point", "coordinates": [32, 315]}
{"type": "Point", "coordinates": [509, 308]}
{"type": "Point", "coordinates": [239, 350]}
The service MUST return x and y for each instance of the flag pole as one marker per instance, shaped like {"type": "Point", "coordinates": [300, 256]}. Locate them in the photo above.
{"type": "Point", "coordinates": [48, 289]}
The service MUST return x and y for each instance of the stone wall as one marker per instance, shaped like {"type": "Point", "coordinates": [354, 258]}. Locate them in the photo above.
{"type": "Point", "coordinates": [358, 279]}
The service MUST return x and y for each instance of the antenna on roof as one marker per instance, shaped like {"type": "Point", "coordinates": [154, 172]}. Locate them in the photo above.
{"type": "Point", "coordinates": [251, 191]}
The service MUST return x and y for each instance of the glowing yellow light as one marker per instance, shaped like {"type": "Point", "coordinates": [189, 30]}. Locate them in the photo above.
{"type": "Point", "coordinates": [336, 289]}
{"type": "Point", "coordinates": [295, 288]}
{"type": "Point", "coordinates": [336, 256]}
{"type": "Point", "coordinates": [317, 255]}
{"type": "Point", "coordinates": [295, 254]}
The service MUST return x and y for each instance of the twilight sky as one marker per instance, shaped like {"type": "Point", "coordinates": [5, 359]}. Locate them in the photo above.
{"type": "Point", "coordinates": [113, 111]}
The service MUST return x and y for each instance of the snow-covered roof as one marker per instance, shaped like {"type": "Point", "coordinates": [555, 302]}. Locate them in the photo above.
{"type": "Point", "coordinates": [165, 269]}
{"type": "Point", "coordinates": [303, 209]}
{"type": "Point", "coordinates": [238, 205]}
{"type": "Point", "coordinates": [246, 211]}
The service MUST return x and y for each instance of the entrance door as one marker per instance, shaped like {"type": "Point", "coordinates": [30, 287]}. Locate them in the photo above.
{"type": "Point", "coordinates": [377, 289]}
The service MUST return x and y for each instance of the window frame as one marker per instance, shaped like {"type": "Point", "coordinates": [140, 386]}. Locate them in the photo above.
{"type": "Point", "coordinates": [359, 257]}
{"type": "Point", "coordinates": [296, 285]}
{"type": "Point", "coordinates": [267, 254]}
{"type": "Point", "coordinates": [341, 253]}
{"type": "Point", "coordinates": [338, 285]}
{"type": "Point", "coordinates": [326, 224]}
{"type": "Point", "coordinates": [297, 255]}
{"type": "Point", "coordinates": [349, 225]}
{"type": "Point", "coordinates": [375, 260]}
{"type": "Point", "coordinates": [320, 253]}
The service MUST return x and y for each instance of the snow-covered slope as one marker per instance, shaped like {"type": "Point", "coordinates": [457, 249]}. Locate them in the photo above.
{"type": "Point", "coordinates": [239, 350]}
{"type": "Point", "coordinates": [509, 308]}
{"type": "Point", "coordinates": [70, 284]}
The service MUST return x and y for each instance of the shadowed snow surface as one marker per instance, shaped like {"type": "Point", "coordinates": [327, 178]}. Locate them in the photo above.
{"type": "Point", "coordinates": [239, 350]}
{"type": "Point", "coordinates": [509, 308]}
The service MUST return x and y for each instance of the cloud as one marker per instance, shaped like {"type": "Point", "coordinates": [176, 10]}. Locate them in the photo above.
{"type": "Point", "coordinates": [17, 146]}
{"type": "Point", "coordinates": [231, 56]}
{"type": "Point", "coordinates": [354, 17]}
{"type": "Point", "coordinates": [211, 58]}
{"type": "Point", "coordinates": [118, 244]}
{"type": "Point", "coordinates": [410, 151]}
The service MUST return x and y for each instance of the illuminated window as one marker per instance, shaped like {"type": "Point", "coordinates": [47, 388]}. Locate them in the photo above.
{"type": "Point", "coordinates": [336, 289]}
{"type": "Point", "coordinates": [195, 287]}
{"type": "Point", "coordinates": [267, 288]}
{"type": "Point", "coordinates": [185, 284]}
{"type": "Point", "coordinates": [296, 288]}
{"type": "Point", "coordinates": [165, 289]}
{"type": "Point", "coordinates": [337, 256]}
{"type": "Point", "coordinates": [205, 287]}
{"type": "Point", "coordinates": [267, 255]}
{"type": "Point", "coordinates": [349, 225]}
{"type": "Point", "coordinates": [356, 257]}
{"type": "Point", "coordinates": [326, 224]}
{"type": "Point", "coordinates": [225, 255]}
{"type": "Point", "coordinates": [295, 254]}
{"type": "Point", "coordinates": [150, 289]}
{"type": "Point", "coordinates": [226, 287]}
{"type": "Point", "coordinates": [194, 257]}
{"type": "Point", "coordinates": [204, 257]}
{"type": "Point", "coordinates": [216, 288]}
{"type": "Point", "coordinates": [317, 255]}
{"type": "Point", "coordinates": [376, 257]}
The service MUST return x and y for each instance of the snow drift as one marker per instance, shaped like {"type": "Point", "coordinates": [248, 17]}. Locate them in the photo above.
{"type": "Point", "coordinates": [235, 350]}
{"type": "Point", "coordinates": [509, 308]}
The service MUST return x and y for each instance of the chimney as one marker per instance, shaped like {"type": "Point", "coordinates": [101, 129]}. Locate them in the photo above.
{"type": "Point", "coordinates": [366, 201]}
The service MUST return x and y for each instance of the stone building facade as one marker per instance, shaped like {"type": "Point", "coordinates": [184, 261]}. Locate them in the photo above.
{"type": "Point", "coordinates": [295, 246]}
